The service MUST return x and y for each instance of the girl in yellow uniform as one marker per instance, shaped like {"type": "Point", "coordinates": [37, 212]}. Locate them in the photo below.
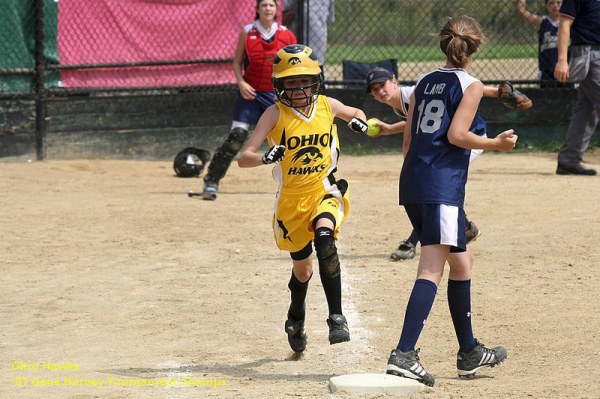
{"type": "Point", "coordinates": [310, 204]}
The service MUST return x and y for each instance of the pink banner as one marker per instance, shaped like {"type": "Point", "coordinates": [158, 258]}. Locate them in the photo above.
{"type": "Point", "coordinates": [123, 31]}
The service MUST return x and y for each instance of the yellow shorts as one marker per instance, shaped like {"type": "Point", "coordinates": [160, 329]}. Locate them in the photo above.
{"type": "Point", "coordinates": [296, 209]}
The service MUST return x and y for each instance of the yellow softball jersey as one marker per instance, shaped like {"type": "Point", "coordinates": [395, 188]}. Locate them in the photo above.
{"type": "Point", "coordinates": [305, 174]}
{"type": "Point", "coordinates": [311, 144]}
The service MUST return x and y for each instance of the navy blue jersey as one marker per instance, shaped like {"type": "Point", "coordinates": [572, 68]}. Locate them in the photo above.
{"type": "Point", "coordinates": [586, 24]}
{"type": "Point", "coordinates": [435, 171]}
{"type": "Point", "coordinates": [548, 45]}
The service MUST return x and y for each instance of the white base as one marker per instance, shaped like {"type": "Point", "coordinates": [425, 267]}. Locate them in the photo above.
{"type": "Point", "coordinates": [374, 383]}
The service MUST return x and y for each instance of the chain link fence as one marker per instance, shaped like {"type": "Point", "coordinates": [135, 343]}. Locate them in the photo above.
{"type": "Point", "coordinates": [70, 46]}
{"type": "Point", "coordinates": [405, 31]}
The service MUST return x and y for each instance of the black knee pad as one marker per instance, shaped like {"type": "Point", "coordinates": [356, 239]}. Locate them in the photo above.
{"type": "Point", "coordinates": [237, 137]}
{"type": "Point", "coordinates": [329, 263]}
{"type": "Point", "coordinates": [234, 142]}
{"type": "Point", "coordinates": [224, 155]}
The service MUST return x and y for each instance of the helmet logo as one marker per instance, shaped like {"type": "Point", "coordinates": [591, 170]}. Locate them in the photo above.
{"type": "Point", "coordinates": [294, 61]}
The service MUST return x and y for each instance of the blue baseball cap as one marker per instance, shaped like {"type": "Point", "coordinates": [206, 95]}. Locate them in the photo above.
{"type": "Point", "coordinates": [378, 76]}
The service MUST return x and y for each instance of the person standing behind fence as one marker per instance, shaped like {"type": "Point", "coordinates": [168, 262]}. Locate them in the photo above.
{"type": "Point", "coordinates": [547, 27]}
{"type": "Point", "coordinates": [580, 23]}
{"type": "Point", "coordinates": [443, 125]}
{"type": "Point", "coordinates": [317, 15]}
{"type": "Point", "coordinates": [257, 45]}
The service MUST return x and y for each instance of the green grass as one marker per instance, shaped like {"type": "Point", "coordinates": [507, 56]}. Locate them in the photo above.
{"type": "Point", "coordinates": [359, 150]}
{"type": "Point", "coordinates": [337, 53]}
{"type": "Point", "coordinates": [550, 146]}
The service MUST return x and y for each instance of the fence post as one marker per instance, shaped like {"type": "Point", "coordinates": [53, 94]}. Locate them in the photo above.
{"type": "Point", "coordinates": [39, 83]}
{"type": "Point", "coordinates": [300, 18]}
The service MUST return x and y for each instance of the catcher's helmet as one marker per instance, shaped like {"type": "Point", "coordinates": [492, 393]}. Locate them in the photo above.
{"type": "Point", "coordinates": [190, 162]}
{"type": "Point", "coordinates": [294, 61]}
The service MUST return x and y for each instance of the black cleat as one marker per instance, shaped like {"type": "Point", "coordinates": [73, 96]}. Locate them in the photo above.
{"type": "Point", "coordinates": [468, 364]}
{"type": "Point", "coordinates": [407, 365]}
{"type": "Point", "coordinates": [472, 232]}
{"type": "Point", "coordinates": [296, 335]}
{"type": "Point", "coordinates": [406, 250]}
{"type": "Point", "coordinates": [210, 189]}
{"type": "Point", "coordinates": [578, 169]}
{"type": "Point", "coordinates": [338, 329]}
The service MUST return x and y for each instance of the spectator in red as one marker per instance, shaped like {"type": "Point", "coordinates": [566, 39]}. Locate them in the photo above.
{"type": "Point", "coordinates": [253, 66]}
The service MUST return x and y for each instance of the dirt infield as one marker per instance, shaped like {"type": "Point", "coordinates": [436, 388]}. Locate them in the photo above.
{"type": "Point", "coordinates": [112, 275]}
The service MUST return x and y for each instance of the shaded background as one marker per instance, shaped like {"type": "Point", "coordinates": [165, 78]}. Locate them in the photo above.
{"type": "Point", "coordinates": [143, 79]}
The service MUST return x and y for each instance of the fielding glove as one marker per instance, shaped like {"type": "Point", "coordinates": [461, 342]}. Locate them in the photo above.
{"type": "Point", "coordinates": [512, 98]}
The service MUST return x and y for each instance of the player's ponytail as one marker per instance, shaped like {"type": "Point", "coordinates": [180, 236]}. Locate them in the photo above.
{"type": "Point", "coordinates": [460, 38]}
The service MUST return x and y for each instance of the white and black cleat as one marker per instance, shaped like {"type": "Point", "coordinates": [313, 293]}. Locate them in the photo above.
{"type": "Point", "coordinates": [407, 365]}
{"type": "Point", "coordinates": [469, 363]}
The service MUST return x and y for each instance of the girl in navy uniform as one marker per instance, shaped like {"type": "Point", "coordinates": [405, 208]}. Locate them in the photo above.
{"type": "Point", "coordinates": [547, 26]}
{"type": "Point", "coordinates": [384, 87]}
{"type": "Point", "coordinates": [252, 66]}
{"type": "Point", "coordinates": [311, 204]}
{"type": "Point", "coordinates": [443, 126]}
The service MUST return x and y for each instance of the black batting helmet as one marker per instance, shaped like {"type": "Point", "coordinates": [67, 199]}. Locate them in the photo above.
{"type": "Point", "coordinates": [190, 162]}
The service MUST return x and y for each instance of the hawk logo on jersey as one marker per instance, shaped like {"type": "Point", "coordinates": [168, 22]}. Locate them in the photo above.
{"type": "Point", "coordinates": [294, 61]}
{"type": "Point", "coordinates": [310, 154]}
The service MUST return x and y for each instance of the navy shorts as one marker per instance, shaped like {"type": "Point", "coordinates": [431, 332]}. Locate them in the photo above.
{"type": "Point", "coordinates": [439, 224]}
{"type": "Point", "coordinates": [249, 111]}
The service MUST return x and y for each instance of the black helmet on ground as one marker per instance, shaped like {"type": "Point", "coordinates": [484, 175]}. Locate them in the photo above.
{"type": "Point", "coordinates": [190, 162]}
